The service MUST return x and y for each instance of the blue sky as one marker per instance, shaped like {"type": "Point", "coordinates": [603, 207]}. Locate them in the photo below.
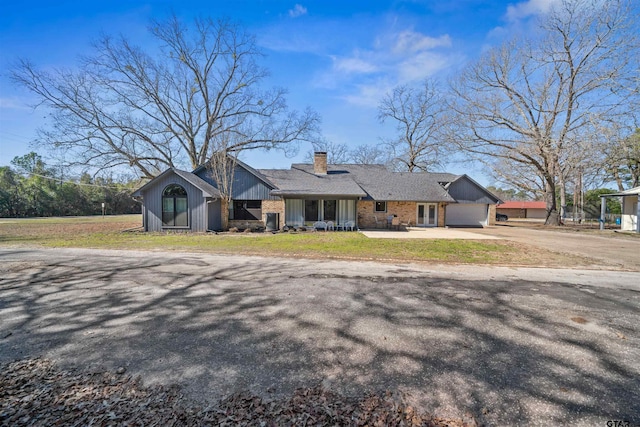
{"type": "Point", "coordinates": [338, 57]}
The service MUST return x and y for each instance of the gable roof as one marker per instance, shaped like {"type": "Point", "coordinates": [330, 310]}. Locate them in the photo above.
{"type": "Point", "coordinates": [245, 166]}
{"type": "Point", "coordinates": [371, 182]}
{"type": "Point", "coordinates": [207, 189]}
{"type": "Point", "coordinates": [368, 182]}
{"type": "Point", "coordinates": [382, 184]}
{"type": "Point", "coordinates": [297, 182]}
{"type": "Point", "coordinates": [466, 190]}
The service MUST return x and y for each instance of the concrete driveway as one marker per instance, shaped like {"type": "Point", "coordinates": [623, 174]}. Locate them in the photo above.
{"type": "Point", "coordinates": [615, 250]}
{"type": "Point", "coordinates": [607, 248]}
{"type": "Point", "coordinates": [427, 233]}
{"type": "Point", "coordinates": [510, 346]}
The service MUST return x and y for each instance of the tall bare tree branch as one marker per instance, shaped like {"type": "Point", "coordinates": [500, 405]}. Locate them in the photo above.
{"type": "Point", "coordinates": [163, 105]}
{"type": "Point", "coordinates": [417, 114]}
{"type": "Point", "coordinates": [534, 104]}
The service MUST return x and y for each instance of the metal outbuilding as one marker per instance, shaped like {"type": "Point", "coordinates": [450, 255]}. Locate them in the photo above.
{"type": "Point", "coordinates": [630, 209]}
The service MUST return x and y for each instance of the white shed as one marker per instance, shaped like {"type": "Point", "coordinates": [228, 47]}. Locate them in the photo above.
{"type": "Point", "coordinates": [630, 209]}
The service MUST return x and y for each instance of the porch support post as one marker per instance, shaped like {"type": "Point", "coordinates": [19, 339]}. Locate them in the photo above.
{"type": "Point", "coordinates": [638, 215]}
{"type": "Point", "coordinates": [603, 210]}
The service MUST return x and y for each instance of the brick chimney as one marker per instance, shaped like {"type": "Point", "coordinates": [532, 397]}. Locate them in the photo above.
{"type": "Point", "coordinates": [320, 163]}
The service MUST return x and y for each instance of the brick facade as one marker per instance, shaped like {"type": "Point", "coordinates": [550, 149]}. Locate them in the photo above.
{"type": "Point", "coordinates": [441, 218]}
{"type": "Point", "coordinates": [492, 215]}
{"type": "Point", "coordinates": [367, 217]}
{"type": "Point", "coordinates": [406, 212]}
{"type": "Point", "coordinates": [273, 206]}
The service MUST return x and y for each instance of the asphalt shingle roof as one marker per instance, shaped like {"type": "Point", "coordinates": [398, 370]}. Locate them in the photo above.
{"type": "Point", "coordinates": [369, 182]}
{"type": "Point", "coordinates": [374, 181]}
{"type": "Point", "coordinates": [297, 182]}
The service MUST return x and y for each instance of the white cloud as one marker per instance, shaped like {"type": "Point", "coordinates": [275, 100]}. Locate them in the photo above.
{"type": "Point", "coordinates": [423, 65]}
{"type": "Point", "coordinates": [399, 57]}
{"type": "Point", "coordinates": [406, 55]}
{"type": "Point", "coordinates": [369, 95]}
{"type": "Point", "coordinates": [517, 20]}
{"type": "Point", "coordinates": [411, 42]}
{"type": "Point", "coordinates": [353, 64]}
{"type": "Point", "coordinates": [14, 104]}
{"type": "Point", "coordinates": [298, 10]}
{"type": "Point", "coordinates": [528, 8]}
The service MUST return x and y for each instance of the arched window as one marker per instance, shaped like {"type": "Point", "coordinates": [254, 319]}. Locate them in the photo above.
{"type": "Point", "coordinates": [174, 206]}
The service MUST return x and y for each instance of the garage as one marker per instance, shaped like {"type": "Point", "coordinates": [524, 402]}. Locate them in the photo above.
{"type": "Point", "coordinates": [466, 215]}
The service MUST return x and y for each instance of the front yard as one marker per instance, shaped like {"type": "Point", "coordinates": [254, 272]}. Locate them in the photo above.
{"type": "Point", "coordinates": [118, 232]}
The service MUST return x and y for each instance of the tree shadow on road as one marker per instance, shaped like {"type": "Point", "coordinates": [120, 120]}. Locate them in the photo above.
{"type": "Point", "coordinates": [509, 352]}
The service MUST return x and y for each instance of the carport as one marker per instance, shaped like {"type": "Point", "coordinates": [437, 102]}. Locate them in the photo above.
{"type": "Point", "coordinates": [630, 209]}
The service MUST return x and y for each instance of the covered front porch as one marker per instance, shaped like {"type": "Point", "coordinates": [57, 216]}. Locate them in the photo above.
{"type": "Point", "coordinates": [306, 212]}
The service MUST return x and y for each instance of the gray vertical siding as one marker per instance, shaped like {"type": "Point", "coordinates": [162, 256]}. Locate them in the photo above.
{"type": "Point", "coordinates": [246, 186]}
{"type": "Point", "coordinates": [153, 204]}
{"type": "Point", "coordinates": [466, 191]}
{"type": "Point", "coordinates": [215, 215]}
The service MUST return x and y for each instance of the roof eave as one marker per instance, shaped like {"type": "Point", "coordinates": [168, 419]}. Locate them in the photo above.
{"type": "Point", "coordinates": [306, 194]}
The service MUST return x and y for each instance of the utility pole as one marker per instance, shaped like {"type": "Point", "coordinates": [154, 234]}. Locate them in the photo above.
{"type": "Point", "coordinates": [576, 199]}
{"type": "Point", "coordinates": [581, 196]}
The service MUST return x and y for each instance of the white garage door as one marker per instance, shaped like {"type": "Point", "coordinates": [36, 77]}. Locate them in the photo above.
{"type": "Point", "coordinates": [466, 214]}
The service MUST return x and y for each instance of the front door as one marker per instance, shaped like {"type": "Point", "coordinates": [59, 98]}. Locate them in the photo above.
{"type": "Point", "coordinates": [427, 215]}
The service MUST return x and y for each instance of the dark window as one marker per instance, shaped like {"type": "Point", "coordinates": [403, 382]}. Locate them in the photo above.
{"type": "Point", "coordinates": [254, 204]}
{"type": "Point", "coordinates": [310, 210]}
{"type": "Point", "coordinates": [381, 206]}
{"type": "Point", "coordinates": [247, 209]}
{"type": "Point", "coordinates": [330, 210]}
{"type": "Point", "coordinates": [175, 206]}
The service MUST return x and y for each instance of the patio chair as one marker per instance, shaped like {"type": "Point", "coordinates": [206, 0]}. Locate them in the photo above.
{"type": "Point", "coordinates": [378, 222]}
{"type": "Point", "coordinates": [349, 225]}
{"type": "Point", "coordinates": [330, 226]}
{"type": "Point", "coordinates": [320, 225]}
{"type": "Point", "coordinates": [395, 223]}
{"type": "Point", "coordinates": [390, 221]}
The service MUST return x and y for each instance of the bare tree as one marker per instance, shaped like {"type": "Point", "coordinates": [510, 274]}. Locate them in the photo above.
{"type": "Point", "coordinates": [221, 167]}
{"type": "Point", "coordinates": [417, 114]}
{"type": "Point", "coordinates": [530, 102]}
{"type": "Point", "coordinates": [369, 155]}
{"type": "Point", "coordinates": [341, 154]}
{"type": "Point", "coordinates": [523, 177]}
{"type": "Point", "coordinates": [336, 153]}
{"type": "Point", "coordinates": [162, 106]}
{"type": "Point", "coordinates": [623, 161]}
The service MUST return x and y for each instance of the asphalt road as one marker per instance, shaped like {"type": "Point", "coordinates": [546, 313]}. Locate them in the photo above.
{"type": "Point", "coordinates": [510, 346]}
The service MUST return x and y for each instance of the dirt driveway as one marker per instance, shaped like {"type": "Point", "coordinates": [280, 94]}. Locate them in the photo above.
{"type": "Point", "coordinates": [614, 250]}
{"type": "Point", "coordinates": [509, 346]}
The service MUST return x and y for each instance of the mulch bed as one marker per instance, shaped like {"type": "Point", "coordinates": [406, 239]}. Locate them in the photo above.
{"type": "Point", "coordinates": [34, 392]}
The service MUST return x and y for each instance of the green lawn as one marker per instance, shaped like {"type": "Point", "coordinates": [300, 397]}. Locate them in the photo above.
{"type": "Point", "coordinates": [109, 233]}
